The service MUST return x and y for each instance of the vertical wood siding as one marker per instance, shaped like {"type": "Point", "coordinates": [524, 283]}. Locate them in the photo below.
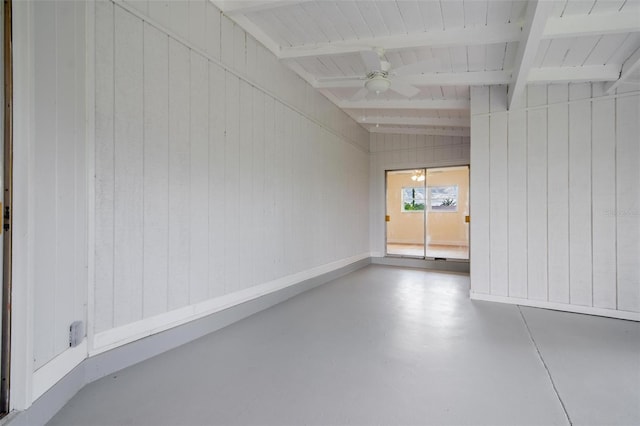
{"type": "Point", "coordinates": [573, 227]}
{"type": "Point", "coordinates": [207, 184]}
{"type": "Point", "coordinates": [58, 176]}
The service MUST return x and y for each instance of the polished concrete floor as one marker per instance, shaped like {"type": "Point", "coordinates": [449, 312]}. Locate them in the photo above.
{"type": "Point", "coordinates": [383, 346]}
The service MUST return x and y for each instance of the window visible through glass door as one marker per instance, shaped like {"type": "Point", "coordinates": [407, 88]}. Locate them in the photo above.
{"type": "Point", "coordinates": [426, 213]}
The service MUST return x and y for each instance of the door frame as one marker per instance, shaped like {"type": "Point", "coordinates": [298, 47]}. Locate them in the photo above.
{"type": "Point", "coordinates": [7, 210]}
{"type": "Point", "coordinates": [424, 257]}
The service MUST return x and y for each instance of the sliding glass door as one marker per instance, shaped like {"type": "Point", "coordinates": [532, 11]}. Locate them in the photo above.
{"type": "Point", "coordinates": [406, 204]}
{"type": "Point", "coordinates": [427, 213]}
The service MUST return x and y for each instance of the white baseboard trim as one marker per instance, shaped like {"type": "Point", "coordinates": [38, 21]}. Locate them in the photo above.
{"type": "Point", "coordinates": [405, 241]}
{"type": "Point", "coordinates": [434, 265]}
{"type": "Point", "coordinates": [448, 243]}
{"type": "Point", "coordinates": [589, 310]}
{"type": "Point", "coordinates": [115, 337]}
{"type": "Point", "coordinates": [51, 373]}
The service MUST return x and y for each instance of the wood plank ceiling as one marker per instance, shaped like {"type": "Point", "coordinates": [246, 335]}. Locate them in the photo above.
{"type": "Point", "coordinates": [442, 47]}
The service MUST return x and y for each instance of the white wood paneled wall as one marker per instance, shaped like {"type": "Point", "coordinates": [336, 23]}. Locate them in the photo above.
{"type": "Point", "coordinates": [57, 177]}
{"type": "Point", "coordinates": [200, 25]}
{"type": "Point", "coordinates": [554, 197]}
{"type": "Point", "coordinates": [400, 151]}
{"type": "Point", "coordinates": [206, 182]}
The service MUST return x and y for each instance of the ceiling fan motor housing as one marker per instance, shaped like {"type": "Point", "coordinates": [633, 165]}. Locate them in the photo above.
{"type": "Point", "coordinates": [377, 82]}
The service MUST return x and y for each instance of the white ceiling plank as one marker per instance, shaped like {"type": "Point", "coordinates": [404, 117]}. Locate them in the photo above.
{"type": "Point", "coordinates": [494, 57]}
{"type": "Point", "coordinates": [392, 17]}
{"type": "Point", "coordinates": [458, 58]}
{"type": "Point", "coordinates": [630, 6]}
{"type": "Point", "coordinates": [350, 65]}
{"type": "Point", "coordinates": [418, 121]}
{"type": "Point", "coordinates": [330, 12]}
{"type": "Point", "coordinates": [579, 52]}
{"type": "Point", "coordinates": [411, 16]}
{"type": "Point", "coordinates": [312, 27]}
{"type": "Point", "coordinates": [583, 25]}
{"type": "Point", "coordinates": [423, 54]}
{"type": "Point", "coordinates": [355, 19]}
{"type": "Point", "coordinates": [476, 55]}
{"type": "Point", "coordinates": [475, 13]}
{"type": "Point", "coordinates": [241, 7]}
{"type": "Point", "coordinates": [630, 66]}
{"type": "Point", "coordinates": [400, 112]}
{"type": "Point", "coordinates": [602, 51]}
{"type": "Point", "coordinates": [556, 52]}
{"type": "Point", "coordinates": [330, 65]}
{"type": "Point", "coordinates": [543, 48]}
{"type": "Point", "coordinates": [456, 104]}
{"type": "Point", "coordinates": [462, 92]}
{"type": "Point", "coordinates": [559, 7]}
{"type": "Point", "coordinates": [536, 18]}
{"type": "Point", "coordinates": [625, 49]}
{"type": "Point", "coordinates": [432, 79]}
{"type": "Point", "coordinates": [498, 12]}
{"type": "Point", "coordinates": [607, 6]}
{"type": "Point", "coordinates": [457, 37]}
{"type": "Point", "coordinates": [272, 27]}
{"type": "Point", "coordinates": [409, 57]}
{"type": "Point", "coordinates": [555, 27]}
{"type": "Point", "coordinates": [372, 16]}
{"type": "Point", "coordinates": [293, 30]}
{"type": "Point", "coordinates": [453, 13]}
{"type": "Point", "coordinates": [431, 12]}
{"type": "Point", "coordinates": [317, 13]}
{"type": "Point", "coordinates": [573, 74]}
{"type": "Point", "coordinates": [257, 33]}
{"type": "Point", "coordinates": [510, 56]}
{"type": "Point", "coordinates": [449, 92]}
{"type": "Point", "coordinates": [518, 10]}
{"type": "Point", "coordinates": [578, 7]}
{"type": "Point", "coordinates": [420, 131]}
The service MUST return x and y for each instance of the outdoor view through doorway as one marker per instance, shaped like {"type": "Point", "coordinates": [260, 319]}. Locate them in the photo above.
{"type": "Point", "coordinates": [427, 211]}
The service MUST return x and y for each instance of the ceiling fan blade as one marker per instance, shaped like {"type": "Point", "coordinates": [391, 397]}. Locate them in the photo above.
{"type": "Point", "coordinates": [371, 60]}
{"type": "Point", "coordinates": [404, 89]}
{"type": "Point", "coordinates": [360, 94]}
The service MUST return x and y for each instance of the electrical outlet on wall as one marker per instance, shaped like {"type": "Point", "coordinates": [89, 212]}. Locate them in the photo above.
{"type": "Point", "coordinates": [76, 333]}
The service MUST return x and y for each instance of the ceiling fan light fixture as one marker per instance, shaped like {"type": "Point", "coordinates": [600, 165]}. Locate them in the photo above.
{"type": "Point", "coordinates": [418, 175]}
{"type": "Point", "coordinates": [377, 84]}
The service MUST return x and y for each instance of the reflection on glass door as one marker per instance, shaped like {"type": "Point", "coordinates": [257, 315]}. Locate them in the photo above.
{"type": "Point", "coordinates": [427, 211]}
{"type": "Point", "coordinates": [447, 232]}
{"type": "Point", "coordinates": [406, 204]}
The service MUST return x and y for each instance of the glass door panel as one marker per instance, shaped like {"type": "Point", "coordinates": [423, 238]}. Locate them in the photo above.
{"type": "Point", "coordinates": [447, 231]}
{"type": "Point", "coordinates": [405, 212]}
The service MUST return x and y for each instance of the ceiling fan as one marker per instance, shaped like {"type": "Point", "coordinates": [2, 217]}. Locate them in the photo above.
{"type": "Point", "coordinates": [379, 79]}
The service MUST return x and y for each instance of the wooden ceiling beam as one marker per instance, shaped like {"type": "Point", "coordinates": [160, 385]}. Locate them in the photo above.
{"type": "Point", "coordinates": [430, 79]}
{"type": "Point", "coordinates": [416, 121]}
{"type": "Point", "coordinates": [536, 19]}
{"type": "Point", "coordinates": [242, 7]}
{"type": "Point", "coordinates": [586, 25]}
{"type": "Point", "coordinates": [457, 37]}
{"type": "Point", "coordinates": [420, 131]}
{"type": "Point", "coordinates": [446, 104]}
{"type": "Point", "coordinates": [574, 74]}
